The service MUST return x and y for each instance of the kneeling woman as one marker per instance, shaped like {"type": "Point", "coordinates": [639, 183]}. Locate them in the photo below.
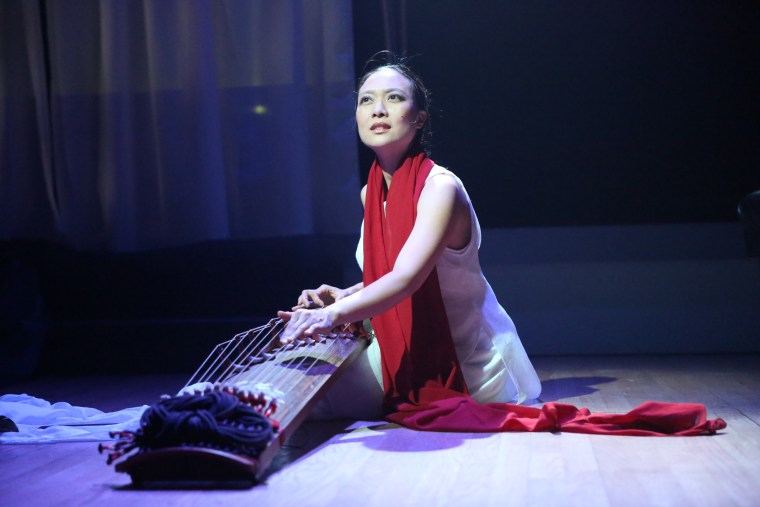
{"type": "Point", "coordinates": [435, 317]}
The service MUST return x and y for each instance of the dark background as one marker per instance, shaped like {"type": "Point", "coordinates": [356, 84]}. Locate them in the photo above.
{"type": "Point", "coordinates": [585, 113]}
{"type": "Point", "coordinates": [553, 113]}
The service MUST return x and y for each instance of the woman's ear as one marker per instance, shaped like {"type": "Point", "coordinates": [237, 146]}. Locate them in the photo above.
{"type": "Point", "coordinates": [421, 119]}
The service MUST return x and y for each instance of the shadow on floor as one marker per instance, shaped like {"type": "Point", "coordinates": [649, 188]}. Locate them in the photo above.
{"type": "Point", "coordinates": [570, 387]}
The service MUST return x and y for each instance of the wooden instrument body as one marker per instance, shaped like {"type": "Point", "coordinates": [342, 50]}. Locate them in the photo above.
{"type": "Point", "coordinates": [297, 375]}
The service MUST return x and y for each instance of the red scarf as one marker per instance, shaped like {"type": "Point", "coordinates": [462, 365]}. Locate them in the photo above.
{"type": "Point", "coordinates": [416, 345]}
{"type": "Point", "coordinates": [424, 385]}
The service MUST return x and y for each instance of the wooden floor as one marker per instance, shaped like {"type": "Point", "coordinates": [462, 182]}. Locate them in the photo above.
{"type": "Point", "coordinates": [345, 464]}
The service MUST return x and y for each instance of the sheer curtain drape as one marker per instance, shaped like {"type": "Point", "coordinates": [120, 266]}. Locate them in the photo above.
{"type": "Point", "coordinates": [142, 124]}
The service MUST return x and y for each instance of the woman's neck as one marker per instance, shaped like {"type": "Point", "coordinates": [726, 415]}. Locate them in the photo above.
{"type": "Point", "coordinates": [389, 166]}
{"type": "Point", "coordinates": [389, 162]}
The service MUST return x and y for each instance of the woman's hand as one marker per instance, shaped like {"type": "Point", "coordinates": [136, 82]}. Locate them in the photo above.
{"type": "Point", "coordinates": [302, 323]}
{"type": "Point", "coordinates": [324, 295]}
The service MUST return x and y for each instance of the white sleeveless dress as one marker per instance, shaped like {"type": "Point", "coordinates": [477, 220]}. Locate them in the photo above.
{"type": "Point", "coordinates": [495, 365]}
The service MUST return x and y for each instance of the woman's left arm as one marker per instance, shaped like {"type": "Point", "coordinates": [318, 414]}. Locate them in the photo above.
{"type": "Point", "coordinates": [440, 211]}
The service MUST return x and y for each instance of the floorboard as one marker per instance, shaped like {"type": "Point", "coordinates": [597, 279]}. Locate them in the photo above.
{"type": "Point", "coordinates": [376, 464]}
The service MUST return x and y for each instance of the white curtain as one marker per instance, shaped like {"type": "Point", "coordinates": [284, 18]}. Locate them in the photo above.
{"type": "Point", "coordinates": [128, 125]}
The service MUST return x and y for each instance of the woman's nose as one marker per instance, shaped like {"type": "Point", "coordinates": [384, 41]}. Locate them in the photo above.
{"type": "Point", "coordinates": [379, 109]}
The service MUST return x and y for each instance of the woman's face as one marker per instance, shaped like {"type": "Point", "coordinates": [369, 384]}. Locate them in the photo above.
{"type": "Point", "coordinates": [385, 112]}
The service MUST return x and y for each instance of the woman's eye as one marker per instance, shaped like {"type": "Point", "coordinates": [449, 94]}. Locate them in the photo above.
{"type": "Point", "coordinates": [395, 96]}
{"type": "Point", "coordinates": [364, 100]}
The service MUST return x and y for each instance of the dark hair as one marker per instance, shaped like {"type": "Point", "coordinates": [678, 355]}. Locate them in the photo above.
{"type": "Point", "coordinates": [420, 94]}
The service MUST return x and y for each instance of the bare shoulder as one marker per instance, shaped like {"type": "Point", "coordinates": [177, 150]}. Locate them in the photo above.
{"type": "Point", "coordinates": [441, 180]}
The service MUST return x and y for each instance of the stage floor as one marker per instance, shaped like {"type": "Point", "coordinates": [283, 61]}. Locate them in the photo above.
{"type": "Point", "coordinates": [345, 463]}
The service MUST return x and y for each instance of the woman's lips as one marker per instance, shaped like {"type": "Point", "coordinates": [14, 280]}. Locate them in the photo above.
{"type": "Point", "coordinates": [379, 128]}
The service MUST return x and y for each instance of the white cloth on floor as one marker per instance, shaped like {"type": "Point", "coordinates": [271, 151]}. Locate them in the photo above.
{"type": "Point", "coordinates": [40, 421]}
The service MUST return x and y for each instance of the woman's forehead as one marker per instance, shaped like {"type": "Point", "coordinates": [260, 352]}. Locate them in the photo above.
{"type": "Point", "coordinates": [386, 78]}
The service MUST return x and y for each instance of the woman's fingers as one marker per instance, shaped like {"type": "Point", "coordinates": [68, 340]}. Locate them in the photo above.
{"type": "Point", "coordinates": [295, 327]}
{"type": "Point", "coordinates": [304, 323]}
{"type": "Point", "coordinates": [324, 295]}
{"type": "Point", "coordinates": [303, 300]}
{"type": "Point", "coordinates": [290, 332]}
{"type": "Point", "coordinates": [320, 297]}
{"type": "Point", "coordinates": [310, 299]}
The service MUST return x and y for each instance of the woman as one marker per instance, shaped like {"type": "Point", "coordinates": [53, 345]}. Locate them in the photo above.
{"type": "Point", "coordinates": [436, 318]}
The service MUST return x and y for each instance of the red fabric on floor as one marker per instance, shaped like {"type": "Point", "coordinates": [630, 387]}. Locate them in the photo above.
{"type": "Point", "coordinates": [444, 410]}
